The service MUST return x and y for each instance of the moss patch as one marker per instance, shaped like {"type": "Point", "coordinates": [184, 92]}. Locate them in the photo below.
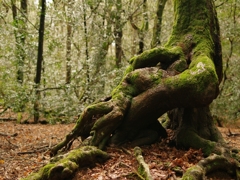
{"type": "Point", "coordinates": [65, 166]}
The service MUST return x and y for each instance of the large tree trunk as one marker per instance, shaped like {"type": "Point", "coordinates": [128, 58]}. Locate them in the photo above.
{"type": "Point", "coordinates": [198, 126]}
{"type": "Point", "coordinates": [185, 73]}
{"type": "Point", "coordinates": [181, 78]}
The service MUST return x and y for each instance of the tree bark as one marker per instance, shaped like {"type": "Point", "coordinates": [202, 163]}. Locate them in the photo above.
{"type": "Point", "coordinates": [37, 79]}
{"type": "Point", "coordinates": [156, 38]}
{"type": "Point", "coordinates": [69, 41]}
{"type": "Point", "coordinates": [118, 33]}
{"type": "Point", "coordinates": [185, 73]}
{"type": "Point", "coordinates": [141, 30]}
{"type": "Point", "coordinates": [197, 124]}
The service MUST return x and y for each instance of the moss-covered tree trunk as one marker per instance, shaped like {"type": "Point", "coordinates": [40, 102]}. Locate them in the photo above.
{"type": "Point", "coordinates": [181, 78]}
{"type": "Point", "coordinates": [185, 74]}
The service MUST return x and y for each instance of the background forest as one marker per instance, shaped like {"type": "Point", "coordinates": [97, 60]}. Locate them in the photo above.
{"type": "Point", "coordinates": [86, 48]}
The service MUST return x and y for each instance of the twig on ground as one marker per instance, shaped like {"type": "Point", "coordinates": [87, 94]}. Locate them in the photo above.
{"type": "Point", "coordinates": [9, 135]}
{"type": "Point", "coordinates": [11, 143]}
{"type": "Point", "coordinates": [232, 134]}
{"type": "Point", "coordinates": [8, 119]}
{"type": "Point", "coordinates": [126, 151]}
{"type": "Point", "coordinates": [4, 110]}
{"type": "Point", "coordinates": [44, 149]}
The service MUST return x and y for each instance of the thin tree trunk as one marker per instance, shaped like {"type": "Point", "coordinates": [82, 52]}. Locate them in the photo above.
{"type": "Point", "coordinates": [118, 34]}
{"type": "Point", "coordinates": [85, 63]}
{"type": "Point", "coordinates": [141, 30]}
{"type": "Point", "coordinates": [14, 10]}
{"type": "Point", "coordinates": [105, 39]}
{"type": "Point", "coordinates": [69, 42]}
{"type": "Point", "coordinates": [39, 60]}
{"type": "Point", "coordinates": [144, 28]}
{"type": "Point", "coordinates": [156, 38]}
{"type": "Point", "coordinates": [86, 42]}
{"type": "Point", "coordinates": [20, 35]}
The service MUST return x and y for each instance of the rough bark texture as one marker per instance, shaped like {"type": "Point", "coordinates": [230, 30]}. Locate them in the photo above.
{"type": "Point", "coordinates": [185, 73]}
{"type": "Point", "coordinates": [182, 77]}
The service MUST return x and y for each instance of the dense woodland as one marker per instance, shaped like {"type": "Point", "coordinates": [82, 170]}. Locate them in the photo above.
{"type": "Point", "coordinates": [116, 66]}
{"type": "Point", "coordinates": [58, 59]}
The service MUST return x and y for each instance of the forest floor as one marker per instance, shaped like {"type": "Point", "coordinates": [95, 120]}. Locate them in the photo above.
{"type": "Point", "coordinates": [24, 149]}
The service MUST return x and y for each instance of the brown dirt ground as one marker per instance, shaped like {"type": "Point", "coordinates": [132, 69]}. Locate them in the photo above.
{"type": "Point", "coordinates": [24, 150]}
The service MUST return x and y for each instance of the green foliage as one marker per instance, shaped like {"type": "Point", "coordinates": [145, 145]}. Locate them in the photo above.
{"type": "Point", "coordinates": [227, 106]}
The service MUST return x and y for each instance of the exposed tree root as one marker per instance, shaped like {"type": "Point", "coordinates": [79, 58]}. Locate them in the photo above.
{"type": "Point", "coordinates": [143, 168]}
{"type": "Point", "coordinates": [63, 167]}
{"type": "Point", "coordinates": [211, 164]}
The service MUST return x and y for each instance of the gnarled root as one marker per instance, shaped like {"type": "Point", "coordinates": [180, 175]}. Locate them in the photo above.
{"type": "Point", "coordinates": [210, 164]}
{"type": "Point", "coordinates": [98, 120]}
{"type": "Point", "coordinates": [63, 167]}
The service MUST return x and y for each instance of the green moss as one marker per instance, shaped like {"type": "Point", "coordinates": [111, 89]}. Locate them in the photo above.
{"type": "Point", "coordinates": [143, 168]}
{"type": "Point", "coordinates": [34, 176]}
{"type": "Point", "coordinates": [156, 78]}
{"type": "Point", "coordinates": [123, 91]}
{"type": "Point", "coordinates": [238, 173]}
{"type": "Point", "coordinates": [42, 174]}
{"type": "Point", "coordinates": [66, 165]}
{"type": "Point", "coordinates": [191, 28]}
{"type": "Point", "coordinates": [189, 17]}
{"type": "Point", "coordinates": [126, 86]}
{"type": "Point", "coordinates": [74, 156]}
{"type": "Point", "coordinates": [193, 173]}
{"type": "Point", "coordinates": [19, 117]}
{"type": "Point", "coordinates": [199, 80]}
{"type": "Point", "coordinates": [99, 107]}
{"type": "Point", "coordinates": [128, 69]}
{"type": "Point", "coordinates": [153, 56]}
{"type": "Point", "coordinates": [132, 59]}
{"type": "Point", "coordinates": [180, 66]}
{"type": "Point", "coordinates": [189, 138]}
{"type": "Point", "coordinates": [46, 170]}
